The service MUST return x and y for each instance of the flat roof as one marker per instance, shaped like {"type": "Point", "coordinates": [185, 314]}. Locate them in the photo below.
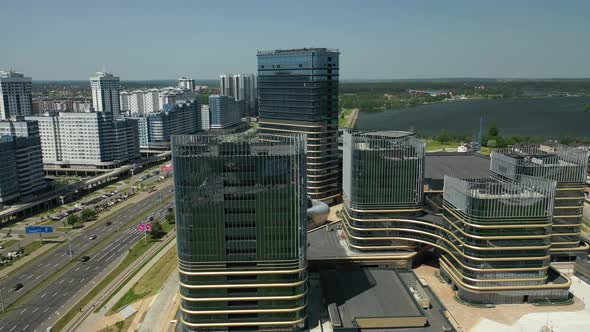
{"type": "Point", "coordinates": [456, 164]}
{"type": "Point", "coordinates": [328, 243]}
{"type": "Point", "coordinates": [367, 293]}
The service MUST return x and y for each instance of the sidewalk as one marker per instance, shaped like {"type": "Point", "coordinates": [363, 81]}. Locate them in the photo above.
{"type": "Point", "coordinates": [163, 307]}
{"type": "Point", "coordinates": [98, 320]}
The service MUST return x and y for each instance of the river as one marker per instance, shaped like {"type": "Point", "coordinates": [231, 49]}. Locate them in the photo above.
{"type": "Point", "coordinates": [550, 117]}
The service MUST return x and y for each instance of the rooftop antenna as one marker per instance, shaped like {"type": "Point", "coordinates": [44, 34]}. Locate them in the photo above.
{"type": "Point", "coordinates": [480, 136]}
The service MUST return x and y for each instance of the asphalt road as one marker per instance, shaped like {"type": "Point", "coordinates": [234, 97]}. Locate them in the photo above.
{"type": "Point", "coordinates": [48, 302]}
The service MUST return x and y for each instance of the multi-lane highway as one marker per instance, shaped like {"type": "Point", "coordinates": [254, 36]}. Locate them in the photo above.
{"type": "Point", "coordinates": [45, 304]}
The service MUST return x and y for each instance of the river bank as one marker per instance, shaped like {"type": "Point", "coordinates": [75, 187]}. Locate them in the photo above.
{"type": "Point", "coordinates": [549, 117]}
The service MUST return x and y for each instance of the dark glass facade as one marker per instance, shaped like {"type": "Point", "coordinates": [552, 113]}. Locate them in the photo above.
{"type": "Point", "coordinates": [382, 180]}
{"type": "Point", "coordinates": [568, 167]}
{"type": "Point", "coordinates": [240, 213]}
{"type": "Point", "coordinates": [495, 240]}
{"type": "Point", "coordinates": [298, 93]}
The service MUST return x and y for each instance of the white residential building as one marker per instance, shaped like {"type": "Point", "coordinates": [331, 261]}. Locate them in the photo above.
{"type": "Point", "coordinates": [186, 83]}
{"type": "Point", "coordinates": [136, 102]}
{"type": "Point", "coordinates": [105, 93]}
{"type": "Point", "coordinates": [151, 101]}
{"type": "Point", "coordinates": [241, 87]}
{"type": "Point", "coordinates": [205, 125]}
{"type": "Point", "coordinates": [87, 139]}
{"type": "Point", "coordinates": [15, 95]}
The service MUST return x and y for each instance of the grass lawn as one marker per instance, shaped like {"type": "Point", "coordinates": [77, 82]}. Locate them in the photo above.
{"type": "Point", "coordinates": [8, 243]}
{"type": "Point", "coordinates": [151, 282]}
{"type": "Point", "coordinates": [433, 145]}
{"type": "Point", "coordinates": [120, 326]}
{"type": "Point", "coordinates": [29, 248]}
{"type": "Point", "coordinates": [342, 119]}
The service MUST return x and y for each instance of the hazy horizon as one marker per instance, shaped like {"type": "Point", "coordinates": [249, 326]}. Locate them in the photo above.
{"type": "Point", "coordinates": [378, 40]}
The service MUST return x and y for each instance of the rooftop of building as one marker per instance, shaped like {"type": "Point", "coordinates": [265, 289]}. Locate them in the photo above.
{"type": "Point", "coordinates": [10, 74]}
{"type": "Point", "coordinates": [456, 164]}
{"type": "Point", "coordinates": [373, 299]}
{"type": "Point", "coordinates": [103, 74]}
{"type": "Point", "coordinates": [304, 50]}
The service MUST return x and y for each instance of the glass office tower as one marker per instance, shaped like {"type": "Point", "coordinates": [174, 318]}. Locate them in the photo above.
{"type": "Point", "coordinates": [298, 93]}
{"type": "Point", "coordinates": [567, 166]}
{"type": "Point", "coordinates": [496, 239]}
{"type": "Point", "coordinates": [383, 175]}
{"type": "Point", "coordinates": [241, 221]}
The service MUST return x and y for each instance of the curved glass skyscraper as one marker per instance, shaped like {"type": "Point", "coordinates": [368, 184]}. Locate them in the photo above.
{"type": "Point", "coordinates": [298, 93]}
{"type": "Point", "coordinates": [382, 180]}
{"type": "Point", "coordinates": [241, 221]}
{"type": "Point", "coordinates": [567, 166]}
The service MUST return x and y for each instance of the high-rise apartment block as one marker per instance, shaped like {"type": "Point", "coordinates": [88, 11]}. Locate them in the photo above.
{"type": "Point", "coordinates": [224, 111]}
{"type": "Point", "coordinates": [566, 165]}
{"type": "Point", "coordinates": [21, 164]}
{"type": "Point", "coordinates": [241, 230]}
{"type": "Point", "coordinates": [241, 87]}
{"type": "Point", "coordinates": [156, 128]}
{"type": "Point", "coordinates": [89, 139]}
{"type": "Point", "coordinates": [186, 83]}
{"type": "Point", "coordinates": [139, 102]}
{"type": "Point", "coordinates": [105, 93]}
{"type": "Point", "coordinates": [298, 93]}
{"type": "Point", "coordinates": [15, 95]}
{"type": "Point", "coordinates": [205, 121]}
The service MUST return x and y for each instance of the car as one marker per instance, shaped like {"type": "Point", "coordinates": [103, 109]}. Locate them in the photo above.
{"type": "Point", "coordinates": [85, 258]}
{"type": "Point", "coordinates": [108, 223]}
{"type": "Point", "coordinates": [17, 287]}
{"type": "Point", "coordinates": [170, 209]}
{"type": "Point", "coordinates": [93, 236]}
{"type": "Point", "coordinates": [151, 218]}
{"type": "Point", "coordinates": [1, 246]}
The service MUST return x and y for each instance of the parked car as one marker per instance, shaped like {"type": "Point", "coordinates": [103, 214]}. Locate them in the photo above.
{"type": "Point", "coordinates": [85, 258]}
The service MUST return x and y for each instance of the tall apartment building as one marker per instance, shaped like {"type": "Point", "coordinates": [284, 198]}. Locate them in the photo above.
{"type": "Point", "coordinates": [568, 167]}
{"type": "Point", "coordinates": [105, 93]}
{"type": "Point", "coordinates": [186, 83]}
{"type": "Point", "coordinates": [298, 93]}
{"type": "Point", "coordinates": [241, 87]}
{"type": "Point", "coordinates": [87, 139]}
{"type": "Point", "coordinates": [241, 230]}
{"type": "Point", "coordinates": [136, 102]}
{"type": "Point", "coordinates": [382, 186]}
{"type": "Point", "coordinates": [140, 101]}
{"type": "Point", "coordinates": [205, 122]}
{"type": "Point", "coordinates": [224, 111]}
{"type": "Point", "coordinates": [21, 165]}
{"type": "Point", "coordinates": [156, 129]}
{"type": "Point", "coordinates": [495, 240]}
{"type": "Point", "coordinates": [15, 95]}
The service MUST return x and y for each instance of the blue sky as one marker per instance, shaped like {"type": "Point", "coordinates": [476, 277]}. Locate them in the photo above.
{"type": "Point", "coordinates": [378, 39]}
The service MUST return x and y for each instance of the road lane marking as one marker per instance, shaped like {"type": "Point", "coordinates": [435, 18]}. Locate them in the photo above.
{"type": "Point", "coordinates": [46, 309]}
{"type": "Point", "coordinates": [39, 276]}
{"type": "Point", "coordinates": [37, 308]}
{"type": "Point", "coordinates": [25, 328]}
{"type": "Point", "coordinates": [42, 296]}
{"type": "Point", "coordinates": [61, 281]}
{"type": "Point", "coordinates": [12, 329]}
{"type": "Point", "coordinates": [23, 311]}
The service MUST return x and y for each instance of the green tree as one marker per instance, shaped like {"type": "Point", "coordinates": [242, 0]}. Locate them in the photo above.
{"type": "Point", "coordinates": [492, 143]}
{"type": "Point", "coordinates": [87, 214]}
{"type": "Point", "coordinates": [170, 217]}
{"type": "Point", "coordinates": [443, 136]}
{"type": "Point", "coordinates": [493, 131]}
{"type": "Point", "coordinates": [567, 141]}
{"type": "Point", "coordinates": [72, 220]}
{"type": "Point", "coordinates": [157, 230]}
